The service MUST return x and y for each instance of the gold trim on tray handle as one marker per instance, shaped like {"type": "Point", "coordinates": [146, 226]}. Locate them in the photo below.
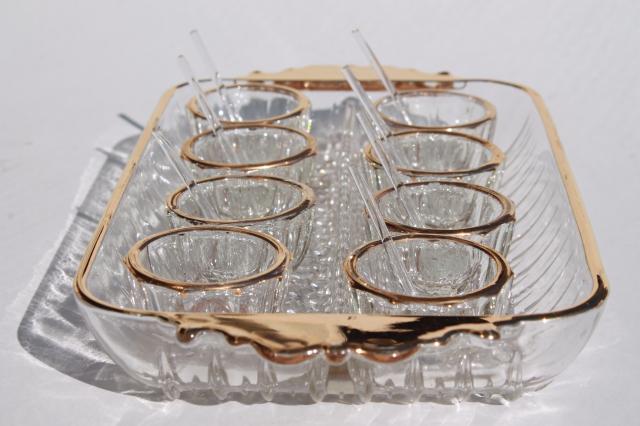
{"type": "Point", "coordinates": [330, 77]}
{"type": "Point", "coordinates": [293, 338]}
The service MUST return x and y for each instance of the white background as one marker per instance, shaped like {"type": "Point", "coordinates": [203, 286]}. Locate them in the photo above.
{"type": "Point", "coordinates": [67, 69]}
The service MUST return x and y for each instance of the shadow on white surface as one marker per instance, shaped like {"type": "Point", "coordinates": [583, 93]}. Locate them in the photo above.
{"type": "Point", "coordinates": [53, 329]}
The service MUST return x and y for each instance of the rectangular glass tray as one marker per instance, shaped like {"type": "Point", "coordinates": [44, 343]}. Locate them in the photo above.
{"type": "Point", "coordinates": [319, 349]}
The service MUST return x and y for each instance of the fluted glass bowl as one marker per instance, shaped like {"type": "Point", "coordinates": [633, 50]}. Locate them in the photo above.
{"type": "Point", "coordinates": [438, 155]}
{"type": "Point", "coordinates": [260, 149]}
{"type": "Point", "coordinates": [447, 276]}
{"type": "Point", "coordinates": [439, 110]}
{"type": "Point", "coordinates": [451, 208]}
{"type": "Point", "coordinates": [209, 269]}
{"type": "Point", "coordinates": [280, 207]}
{"type": "Point", "coordinates": [253, 104]}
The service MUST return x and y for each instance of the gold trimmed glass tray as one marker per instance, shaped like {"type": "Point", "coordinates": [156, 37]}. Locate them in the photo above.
{"type": "Point", "coordinates": [319, 348]}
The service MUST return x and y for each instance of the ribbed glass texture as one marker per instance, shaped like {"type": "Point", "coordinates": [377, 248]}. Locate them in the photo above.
{"type": "Point", "coordinates": [546, 254]}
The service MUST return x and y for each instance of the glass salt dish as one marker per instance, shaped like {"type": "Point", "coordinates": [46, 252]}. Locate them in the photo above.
{"type": "Point", "coordinates": [263, 149]}
{"type": "Point", "coordinates": [280, 207]}
{"type": "Point", "coordinates": [451, 208]}
{"type": "Point", "coordinates": [209, 269]}
{"type": "Point", "coordinates": [437, 155]}
{"type": "Point", "coordinates": [253, 104]}
{"type": "Point", "coordinates": [449, 276]}
{"type": "Point", "coordinates": [433, 109]}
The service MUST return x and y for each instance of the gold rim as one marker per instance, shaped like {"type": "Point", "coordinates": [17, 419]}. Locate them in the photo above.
{"type": "Point", "coordinates": [497, 156]}
{"type": "Point", "coordinates": [489, 109]}
{"type": "Point", "coordinates": [502, 276]}
{"type": "Point", "coordinates": [275, 270]}
{"type": "Point", "coordinates": [308, 151]}
{"type": "Point", "coordinates": [302, 101]}
{"type": "Point", "coordinates": [506, 215]}
{"type": "Point", "coordinates": [308, 200]}
{"type": "Point", "coordinates": [314, 333]}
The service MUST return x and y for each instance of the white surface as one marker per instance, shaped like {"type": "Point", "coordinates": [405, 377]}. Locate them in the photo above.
{"type": "Point", "coordinates": [68, 69]}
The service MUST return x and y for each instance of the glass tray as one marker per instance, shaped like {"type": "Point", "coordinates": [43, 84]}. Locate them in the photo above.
{"type": "Point", "coordinates": [319, 349]}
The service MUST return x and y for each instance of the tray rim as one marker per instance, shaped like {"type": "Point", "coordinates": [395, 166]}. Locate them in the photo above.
{"type": "Point", "coordinates": [324, 332]}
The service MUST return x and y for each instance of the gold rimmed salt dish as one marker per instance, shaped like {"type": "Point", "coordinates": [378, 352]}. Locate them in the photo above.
{"type": "Point", "coordinates": [451, 208]}
{"type": "Point", "coordinates": [448, 276]}
{"type": "Point", "coordinates": [280, 207]}
{"type": "Point", "coordinates": [438, 155]}
{"type": "Point", "coordinates": [253, 104]}
{"type": "Point", "coordinates": [436, 109]}
{"type": "Point", "coordinates": [210, 269]}
{"type": "Point", "coordinates": [260, 149]}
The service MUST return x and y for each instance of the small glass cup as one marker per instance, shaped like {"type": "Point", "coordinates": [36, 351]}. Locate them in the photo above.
{"type": "Point", "coordinates": [438, 155]}
{"type": "Point", "coordinates": [432, 109]}
{"type": "Point", "coordinates": [450, 276]}
{"type": "Point", "coordinates": [210, 269]}
{"type": "Point", "coordinates": [263, 149]}
{"type": "Point", "coordinates": [253, 104]}
{"type": "Point", "coordinates": [280, 207]}
{"type": "Point", "coordinates": [452, 208]}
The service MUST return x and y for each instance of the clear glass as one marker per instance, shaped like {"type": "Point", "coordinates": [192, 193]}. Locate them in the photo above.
{"type": "Point", "coordinates": [449, 276]}
{"type": "Point", "coordinates": [428, 155]}
{"type": "Point", "coordinates": [555, 295]}
{"type": "Point", "coordinates": [262, 149]}
{"type": "Point", "coordinates": [452, 208]}
{"type": "Point", "coordinates": [208, 269]}
{"type": "Point", "coordinates": [255, 104]}
{"type": "Point", "coordinates": [439, 110]}
{"type": "Point", "coordinates": [277, 206]}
